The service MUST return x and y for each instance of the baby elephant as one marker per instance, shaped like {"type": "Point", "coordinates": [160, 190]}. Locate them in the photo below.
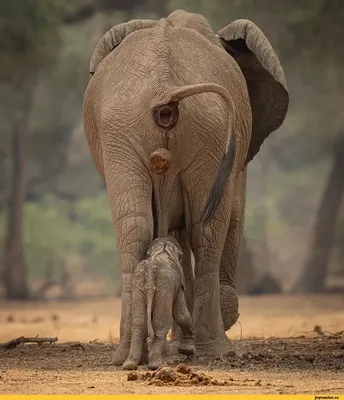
{"type": "Point", "coordinates": [158, 296]}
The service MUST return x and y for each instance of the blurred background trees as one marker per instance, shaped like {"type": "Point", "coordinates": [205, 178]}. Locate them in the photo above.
{"type": "Point", "coordinates": [56, 234]}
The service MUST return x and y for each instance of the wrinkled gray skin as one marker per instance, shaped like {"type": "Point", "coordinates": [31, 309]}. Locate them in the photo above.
{"type": "Point", "coordinates": [157, 299]}
{"type": "Point", "coordinates": [231, 94]}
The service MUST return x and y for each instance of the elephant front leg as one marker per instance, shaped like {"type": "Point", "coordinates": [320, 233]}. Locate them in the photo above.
{"type": "Point", "coordinates": [122, 351]}
{"type": "Point", "coordinates": [129, 260]}
{"type": "Point", "coordinates": [133, 237]}
{"type": "Point", "coordinates": [129, 188]}
{"type": "Point", "coordinates": [139, 331]}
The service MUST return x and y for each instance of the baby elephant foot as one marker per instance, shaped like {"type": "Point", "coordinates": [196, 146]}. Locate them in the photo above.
{"type": "Point", "coordinates": [129, 365]}
{"type": "Point", "coordinates": [173, 349]}
{"type": "Point", "coordinates": [187, 349]}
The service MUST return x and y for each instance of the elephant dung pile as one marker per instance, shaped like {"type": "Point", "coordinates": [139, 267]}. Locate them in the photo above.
{"type": "Point", "coordinates": [181, 375]}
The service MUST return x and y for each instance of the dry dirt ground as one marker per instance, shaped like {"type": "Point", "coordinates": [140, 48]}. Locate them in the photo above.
{"type": "Point", "coordinates": [278, 351]}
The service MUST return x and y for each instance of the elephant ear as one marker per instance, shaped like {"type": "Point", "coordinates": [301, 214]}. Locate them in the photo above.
{"type": "Point", "coordinates": [264, 76]}
{"type": "Point", "coordinates": [114, 37]}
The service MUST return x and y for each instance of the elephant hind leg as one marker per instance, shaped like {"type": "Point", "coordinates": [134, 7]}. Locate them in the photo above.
{"type": "Point", "coordinates": [183, 318]}
{"type": "Point", "coordinates": [230, 259]}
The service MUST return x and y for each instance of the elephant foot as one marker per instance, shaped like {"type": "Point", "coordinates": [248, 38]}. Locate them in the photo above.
{"type": "Point", "coordinates": [220, 347]}
{"type": "Point", "coordinates": [210, 336]}
{"type": "Point", "coordinates": [159, 355]}
{"type": "Point", "coordinates": [121, 354]}
{"type": "Point", "coordinates": [130, 365]}
{"type": "Point", "coordinates": [187, 349]}
{"type": "Point", "coordinates": [229, 303]}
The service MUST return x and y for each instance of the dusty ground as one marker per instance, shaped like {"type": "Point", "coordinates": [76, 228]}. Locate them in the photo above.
{"type": "Point", "coordinates": [278, 352]}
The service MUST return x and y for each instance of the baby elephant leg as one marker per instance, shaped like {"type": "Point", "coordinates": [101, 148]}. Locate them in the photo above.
{"type": "Point", "coordinates": [161, 323]}
{"type": "Point", "coordinates": [139, 331]}
{"type": "Point", "coordinates": [183, 318]}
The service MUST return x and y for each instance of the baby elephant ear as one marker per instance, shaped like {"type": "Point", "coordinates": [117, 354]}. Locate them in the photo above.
{"type": "Point", "coordinates": [114, 37]}
{"type": "Point", "coordinates": [264, 75]}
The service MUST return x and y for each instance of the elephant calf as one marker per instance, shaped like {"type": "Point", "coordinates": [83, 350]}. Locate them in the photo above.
{"type": "Point", "coordinates": [158, 297]}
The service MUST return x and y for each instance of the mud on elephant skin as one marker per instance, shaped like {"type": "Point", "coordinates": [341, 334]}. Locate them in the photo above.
{"type": "Point", "coordinates": [210, 100]}
{"type": "Point", "coordinates": [158, 299]}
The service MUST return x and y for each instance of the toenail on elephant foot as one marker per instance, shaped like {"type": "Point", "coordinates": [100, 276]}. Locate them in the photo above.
{"type": "Point", "coordinates": [121, 355]}
{"type": "Point", "coordinates": [229, 303]}
{"type": "Point", "coordinates": [129, 365]}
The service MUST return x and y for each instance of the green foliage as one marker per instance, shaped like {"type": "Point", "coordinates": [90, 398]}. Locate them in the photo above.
{"type": "Point", "coordinates": [49, 235]}
{"type": "Point", "coordinates": [28, 38]}
{"type": "Point", "coordinates": [97, 236]}
{"type": "Point", "coordinates": [58, 233]}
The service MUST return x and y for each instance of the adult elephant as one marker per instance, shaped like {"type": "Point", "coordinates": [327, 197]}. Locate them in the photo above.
{"type": "Point", "coordinates": [175, 84]}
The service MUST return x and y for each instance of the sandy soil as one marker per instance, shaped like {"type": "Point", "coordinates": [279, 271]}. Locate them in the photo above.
{"type": "Point", "coordinates": [278, 351]}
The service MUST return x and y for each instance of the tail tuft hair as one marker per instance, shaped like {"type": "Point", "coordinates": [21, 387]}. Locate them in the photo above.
{"type": "Point", "coordinates": [223, 173]}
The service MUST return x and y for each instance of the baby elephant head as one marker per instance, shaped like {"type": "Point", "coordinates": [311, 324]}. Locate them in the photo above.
{"type": "Point", "coordinates": [166, 247]}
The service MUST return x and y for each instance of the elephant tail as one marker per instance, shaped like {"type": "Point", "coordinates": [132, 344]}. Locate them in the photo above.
{"type": "Point", "coordinates": [166, 114]}
{"type": "Point", "coordinates": [150, 298]}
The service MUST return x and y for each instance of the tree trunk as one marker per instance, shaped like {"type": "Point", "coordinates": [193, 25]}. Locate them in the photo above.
{"type": "Point", "coordinates": [313, 277]}
{"type": "Point", "coordinates": [15, 270]}
{"type": "Point", "coordinates": [3, 172]}
{"type": "Point", "coordinates": [262, 213]}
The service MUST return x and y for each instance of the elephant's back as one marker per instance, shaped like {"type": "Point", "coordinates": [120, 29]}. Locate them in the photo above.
{"type": "Point", "coordinates": [197, 60]}
{"type": "Point", "coordinates": [121, 75]}
{"type": "Point", "coordinates": [183, 55]}
{"type": "Point", "coordinates": [162, 57]}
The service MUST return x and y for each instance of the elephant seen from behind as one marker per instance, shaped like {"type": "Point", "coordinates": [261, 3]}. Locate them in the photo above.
{"type": "Point", "coordinates": [173, 113]}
